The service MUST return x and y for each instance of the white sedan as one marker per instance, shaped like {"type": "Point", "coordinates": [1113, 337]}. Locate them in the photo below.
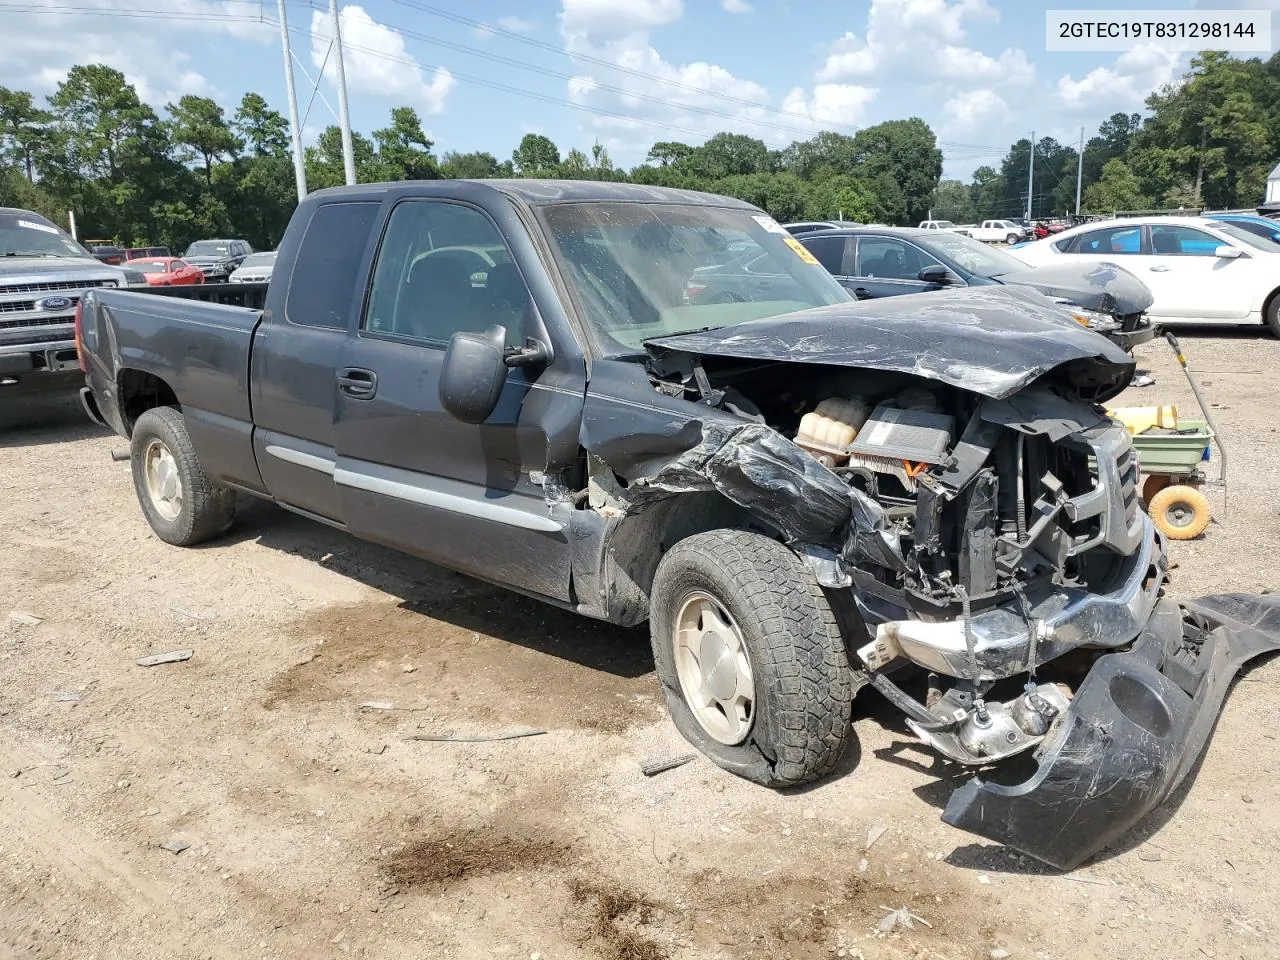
{"type": "Point", "coordinates": [1198, 270]}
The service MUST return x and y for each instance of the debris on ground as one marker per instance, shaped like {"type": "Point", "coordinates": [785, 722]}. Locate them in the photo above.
{"type": "Point", "coordinates": [173, 656]}
{"type": "Point", "coordinates": [24, 619]}
{"type": "Point", "coordinates": [450, 737]}
{"type": "Point", "coordinates": [877, 831]}
{"type": "Point", "coordinates": [1150, 854]}
{"type": "Point", "coordinates": [901, 917]}
{"type": "Point", "coordinates": [655, 767]}
{"type": "Point", "coordinates": [175, 845]}
{"type": "Point", "coordinates": [386, 705]}
{"type": "Point", "coordinates": [65, 696]}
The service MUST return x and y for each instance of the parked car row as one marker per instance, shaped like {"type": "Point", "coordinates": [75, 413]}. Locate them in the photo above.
{"type": "Point", "coordinates": [1200, 270]}
{"type": "Point", "coordinates": [874, 262]}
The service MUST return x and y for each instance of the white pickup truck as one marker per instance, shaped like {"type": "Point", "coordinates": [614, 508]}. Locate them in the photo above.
{"type": "Point", "coordinates": [998, 231]}
{"type": "Point", "coordinates": [946, 225]}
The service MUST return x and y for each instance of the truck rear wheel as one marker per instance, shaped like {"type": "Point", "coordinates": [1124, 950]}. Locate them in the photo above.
{"type": "Point", "coordinates": [178, 500]}
{"type": "Point", "coordinates": [1011, 239]}
{"type": "Point", "coordinates": [751, 658]}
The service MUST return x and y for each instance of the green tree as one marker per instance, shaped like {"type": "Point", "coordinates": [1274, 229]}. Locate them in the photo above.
{"type": "Point", "coordinates": [825, 155]}
{"type": "Point", "coordinates": [954, 201]}
{"type": "Point", "coordinates": [24, 129]}
{"type": "Point", "coordinates": [200, 126]}
{"type": "Point", "coordinates": [1117, 189]}
{"type": "Point", "coordinates": [404, 152]}
{"type": "Point", "coordinates": [264, 131]}
{"type": "Point", "coordinates": [324, 160]}
{"type": "Point", "coordinates": [730, 154]}
{"type": "Point", "coordinates": [669, 153]}
{"type": "Point", "coordinates": [471, 166]}
{"type": "Point", "coordinates": [536, 156]}
{"type": "Point", "coordinates": [905, 153]}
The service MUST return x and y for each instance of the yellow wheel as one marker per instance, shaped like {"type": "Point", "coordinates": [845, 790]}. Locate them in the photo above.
{"type": "Point", "coordinates": [1180, 512]}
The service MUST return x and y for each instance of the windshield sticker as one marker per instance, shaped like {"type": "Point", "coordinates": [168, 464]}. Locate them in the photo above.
{"type": "Point", "coordinates": [770, 224]}
{"type": "Point", "coordinates": [38, 226]}
{"type": "Point", "coordinates": [801, 252]}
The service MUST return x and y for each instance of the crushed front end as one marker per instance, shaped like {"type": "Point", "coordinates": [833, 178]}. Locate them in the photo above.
{"type": "Point", "coordinates": [984, 519]}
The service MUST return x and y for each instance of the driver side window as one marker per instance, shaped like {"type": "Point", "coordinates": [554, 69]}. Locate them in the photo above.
{"type": "Point", "coordinates": [888, 258]}
{"type": "Point", "coordinates": [444, 268]}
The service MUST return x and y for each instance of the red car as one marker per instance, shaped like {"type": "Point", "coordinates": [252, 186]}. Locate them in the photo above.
{"type": "Point", "coordinates": [167, 271]}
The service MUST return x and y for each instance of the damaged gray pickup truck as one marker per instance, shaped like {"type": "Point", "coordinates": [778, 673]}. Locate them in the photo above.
{"type": "Point", "coordinates": [801, 494]}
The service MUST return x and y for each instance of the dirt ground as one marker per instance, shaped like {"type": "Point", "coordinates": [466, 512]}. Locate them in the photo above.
{"type": "Point", "coordinates": [314, 828]}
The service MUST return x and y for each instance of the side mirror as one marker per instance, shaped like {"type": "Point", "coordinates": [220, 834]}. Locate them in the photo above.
{"type": "Point", "coordinates": [935, 273]}
{"type": "Point", "coordinates": [1225, 252]}
{"type": "Point", "coordinates": [473, 374]}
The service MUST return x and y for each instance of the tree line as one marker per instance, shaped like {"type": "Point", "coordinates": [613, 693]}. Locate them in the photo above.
{"type": "Point", "coordinates": [133, 176]}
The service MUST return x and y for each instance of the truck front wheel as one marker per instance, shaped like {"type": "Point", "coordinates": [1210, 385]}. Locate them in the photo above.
{"type": "Point", "coordinates": [751, 658]}
{"type": "Point", "coordinates": [178, 500]}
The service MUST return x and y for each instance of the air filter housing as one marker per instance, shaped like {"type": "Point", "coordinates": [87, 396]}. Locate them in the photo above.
{"type": "Point", "coordinates": [914, 435]}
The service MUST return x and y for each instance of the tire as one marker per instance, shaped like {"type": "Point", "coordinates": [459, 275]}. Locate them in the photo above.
{"type": "Point", "coordinates": [1180, 512]}
{"type": "Point", "coordinates": [801, 684]}
{"type": "Point", "coordinates": [164, 465]}
{"type": "Point", "coordinates": [1271, 314]}
{"type": "Point", "coordinates": [1011, 239]}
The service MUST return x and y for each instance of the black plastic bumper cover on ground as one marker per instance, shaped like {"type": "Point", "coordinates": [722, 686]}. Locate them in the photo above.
{"type": "Point", "coordinates": [1137, 725]}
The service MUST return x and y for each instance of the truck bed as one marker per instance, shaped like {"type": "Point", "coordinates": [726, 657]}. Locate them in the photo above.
{"type": "Point", "coordinates": [199, 350]}
{"type": "Point", "coordinates": [252, 295]}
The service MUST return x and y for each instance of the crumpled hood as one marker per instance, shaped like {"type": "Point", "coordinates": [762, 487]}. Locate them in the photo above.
{"type": "Point", "coordinates": [1104, 287]}
{"type": "Point", "coordinates": [993, 341]}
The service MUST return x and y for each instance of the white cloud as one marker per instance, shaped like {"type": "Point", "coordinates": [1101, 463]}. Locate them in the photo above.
{"type": "Point", "coordinates": [377, 63]}
{"type": "Point", "coordinates": [922, 39]}
{"type": "Point", "coordinates": [684, 101]}
{"type": "Point", "coordinates": [839, 103]}
{"type": "Point", "coordinates": [970, 112]}
{"type": "Point", "coordinates": [149, 53]}
{"type": "Point", "coordinates": [517, 24]}
{"type": "Point", "coordinates": [598, 21]}
{"type": "Point", "coordinates": [735, 6]}
{"type": "Point", "coordinates": [1122, 86]}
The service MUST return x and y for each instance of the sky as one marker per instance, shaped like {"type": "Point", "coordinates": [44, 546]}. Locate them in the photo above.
{"type": "Point", "coordinates": [622, 73]}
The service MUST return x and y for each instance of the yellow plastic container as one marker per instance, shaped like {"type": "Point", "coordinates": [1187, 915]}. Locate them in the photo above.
{"type": "Point", "coordinates": [1141, 419]}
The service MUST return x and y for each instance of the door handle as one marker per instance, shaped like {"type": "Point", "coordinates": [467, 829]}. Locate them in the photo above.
{"type": "Point", "coordinates": [1159, 269]}
{"type": "Point", "coordinates": [357, 383]}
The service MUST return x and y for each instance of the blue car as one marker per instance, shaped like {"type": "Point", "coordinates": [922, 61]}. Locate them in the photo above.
{"type": "Point", "coordinates": [1262, 226]}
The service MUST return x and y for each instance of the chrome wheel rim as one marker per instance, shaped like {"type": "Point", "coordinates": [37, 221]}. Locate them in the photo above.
{"type": "Point", "coordinates": [164, 485]}
{"type": "Point", "coordinates": [714, 668]}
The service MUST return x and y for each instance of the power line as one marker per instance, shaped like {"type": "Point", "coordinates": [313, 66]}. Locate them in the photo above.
{"type": "Point", "coordinates": [559, 74]}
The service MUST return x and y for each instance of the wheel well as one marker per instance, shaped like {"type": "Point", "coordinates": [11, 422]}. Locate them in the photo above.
{"type": "Point", "coordinates": [137, 392]}
{"type": "Point", "coordinates": [641, 539]}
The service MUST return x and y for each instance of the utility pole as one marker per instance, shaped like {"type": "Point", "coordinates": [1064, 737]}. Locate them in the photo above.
{"type": "Point", "coordinates": [1031, 170]}
{"type": "Point", "coordinates": [344, 115]}
{"type": "Point", "coordinates": [299, 172]}
{"type": "Point", "coordinates": [1079, 171]}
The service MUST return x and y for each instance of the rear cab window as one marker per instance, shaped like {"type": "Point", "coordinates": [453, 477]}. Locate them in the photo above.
{"type": "Point", "coordinates": [325, 273]}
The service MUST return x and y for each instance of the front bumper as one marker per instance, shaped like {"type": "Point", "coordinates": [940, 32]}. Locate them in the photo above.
{"type": "Point", "coordinates": [1137, 725]}
{"type": "Point", "coordinates": [1065, 619]}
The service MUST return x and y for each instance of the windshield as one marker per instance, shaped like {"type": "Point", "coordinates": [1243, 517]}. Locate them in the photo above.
{"type": "Point", "coordinates": [943, 224]}
{"type": "Point", "coordinates": [1237, 232]}
{"type": "Point", "coordinates": [26, 234]}
{"type": "Point", "coordinates": [259, 260]}
{"type": "Point", "coordinates": [208, 248]}
{"type": "Point", "coordinates": [640, 271]}
{"type": "Point", "coordinates": [973, 255]}
{"type": "Point", "coordinates": [150, 266]}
